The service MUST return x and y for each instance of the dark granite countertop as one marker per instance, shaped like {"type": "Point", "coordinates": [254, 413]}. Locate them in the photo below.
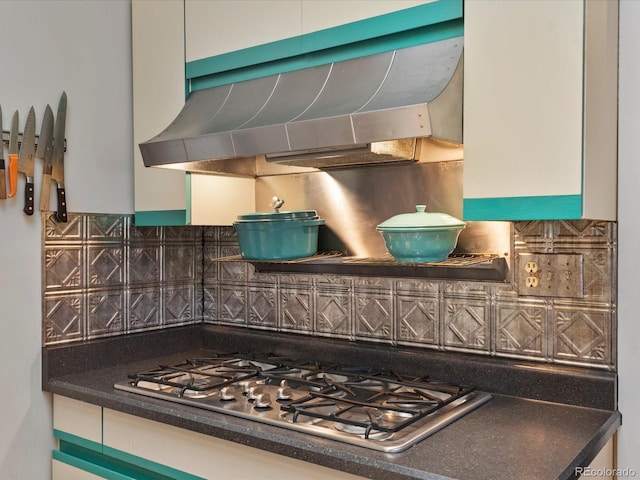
{"type": "Point", "coordinates": [525, 431]}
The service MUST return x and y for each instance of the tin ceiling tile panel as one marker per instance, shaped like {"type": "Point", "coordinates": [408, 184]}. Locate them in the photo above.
{"type": "Point", "coordinates": [580, 232]}
{"type": "Point", "coordinates": [531, 234]}
{"type": "Point", "coordinates": [521, 328]}
{"type": "Point", "coordinates": [63, 268]}
{"type": "Point", "coordinates": [582, 335]}
{"type": "Point", "coordinates": [417, 319]}
{"type": "Point", "coordinates": [467, 324]}
{"type": "Point", "coordinates": [144, 234]}
{"type": "Point", "coordinates": [228, 235]}
{"type": "Point", "coordinates": [374, 317]}
{"type": "Point", "coordinates": [233, 305]}
{"type": "Point", "coordinates": [296, 310]}
{"type": "Point", "coordinates": [63, 319]}
{"type": "Point", "coordinates": [262, 307]}
{"type": "Point", "coordinates": [210, 268]}
{"type": "Point", "coordinates": [144, 265]}
{"type": "Point", "coordinates": [208, 303]}
{"type": "Point", "coordinates": [106, 266]}
{"type": "Point", "coordinates": [179, 301]}
{"type": "Point", "coordinates": [181, 234]}
{"type": "Point", "coordinates": [105, 313]}
{"type": "Point", "coordinates": [105, 228]}
{"type": "Point", "coordinates": [145, 309]}
{"type": "Point", "coordinates": [179, 263]}
{"type": "Point", "coordinates": [233, 272]}
{"type": "Point", "coordinates": [333, 313]}
{"type": "Point", "coordinates": [418, 286]}
{"type": "Point", "coordinates": [70, 231]}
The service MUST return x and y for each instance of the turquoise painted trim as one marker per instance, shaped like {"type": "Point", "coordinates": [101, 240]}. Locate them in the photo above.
{"type": "Point", "coordinates": [115, 464]}
{"type": "Point", "coordinates": [158, 468]}
{"type": "Point", "coordinates": [421, 24]}
{"type": "Point", "coordinates": [189, 211]}
{"type": "Point", "coordinates": [412, 38]}
{"type": "Point", "coordinates": [161, 218]}
{"type": "Point", "coordinates": [554, 207]}
{"type": "Point", "coordinates": [76, 440]}
{"type": "Point", "coordinates": [87, 466]}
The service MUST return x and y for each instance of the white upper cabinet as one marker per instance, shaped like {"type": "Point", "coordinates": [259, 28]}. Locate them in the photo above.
{"type": "Point", "coordinates": [540, 110]}
{"type": "Point", "coordinates": [166, 196]}
{"type": "Point", "coordinates": [223, 26]}
{"type": "Point", "coordinates": [158, 96]}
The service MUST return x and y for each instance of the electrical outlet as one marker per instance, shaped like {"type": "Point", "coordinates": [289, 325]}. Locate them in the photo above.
{"type": "Point", "coordinates": [550, 275]}
{"type": "Point", "coordinates": [532, 282]}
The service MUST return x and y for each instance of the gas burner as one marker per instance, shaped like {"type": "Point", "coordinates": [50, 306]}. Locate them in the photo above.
{"type": "Point", "coordinates": [358, 405]}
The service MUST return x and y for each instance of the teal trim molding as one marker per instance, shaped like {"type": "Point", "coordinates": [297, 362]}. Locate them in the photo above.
{"type": "Point", "coordinates": [112, 464]}
{"type": "Point", "coordinates": [162, 471]}
{"type": "Point", "coordinates": [188, 186]}
{"type": "Point", "coordinates": [74, 439]}
{"type": "Point", "coordinates": [426, 23]}
{"type": "Point", "coordinates": [553, 207]}
{"type": "Point", "coordinates": [163, 218]}
{"type": "Point", "coordinates": [88, 466]}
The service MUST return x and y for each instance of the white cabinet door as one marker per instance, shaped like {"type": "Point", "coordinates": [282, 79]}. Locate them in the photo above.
{"type": "Point", "coordinates": [158, 97]}
{"type": "Point", "coordinates": [540, 110]}
{"type": "Point", "coordinates": [77, 418]}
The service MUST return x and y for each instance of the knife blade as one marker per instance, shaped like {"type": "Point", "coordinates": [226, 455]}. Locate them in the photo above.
{"type": "Point", "coordinates": [25, 159]}
{"type": "Point", "coordinates": [13, 156]}
{"type": "Point", "coordinates": [45, 152]}
{"type": "Point", "coordinates": [57, 170]}
{"type": "Point", "coordinates": [3, 175]}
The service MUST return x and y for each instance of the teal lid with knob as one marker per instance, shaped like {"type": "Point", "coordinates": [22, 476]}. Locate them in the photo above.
{"type": "Point", "coordinates": [421, 219]}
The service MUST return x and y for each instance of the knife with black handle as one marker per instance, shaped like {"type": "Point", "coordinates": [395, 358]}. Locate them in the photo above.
{"type": "Point", "coordinates": [25, 159]}
{"type": "Point", "coordinates": [3, 175]}
{"type": "Point", "coordinates": [57, 170]}
{"type": "Point", "coordinates": [45, 152]}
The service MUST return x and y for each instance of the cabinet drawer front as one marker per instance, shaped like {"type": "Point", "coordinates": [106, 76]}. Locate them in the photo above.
{"type": "Point", "coordinates": [77, 418]}
{"type": "Point", "coordinates": [203, 455]}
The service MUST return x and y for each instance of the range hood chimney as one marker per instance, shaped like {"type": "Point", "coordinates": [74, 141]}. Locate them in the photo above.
{"type": "Point", "coordinates": [382, 108]}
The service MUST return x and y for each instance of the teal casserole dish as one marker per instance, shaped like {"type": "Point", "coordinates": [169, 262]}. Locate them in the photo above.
{"type": "Point", "coordinates": [277, 235]}
{"type": "Point", "coordinates": [421, 237]}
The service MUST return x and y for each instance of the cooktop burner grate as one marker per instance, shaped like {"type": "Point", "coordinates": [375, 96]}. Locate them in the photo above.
{"type": "Point", "coordinates": [359, 405]}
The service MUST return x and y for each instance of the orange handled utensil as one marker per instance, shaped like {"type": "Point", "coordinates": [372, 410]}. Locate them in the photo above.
{"type": "Point", "coordinates": [13, 157]}
{"type": "Point", "coordinates": [3, 176]}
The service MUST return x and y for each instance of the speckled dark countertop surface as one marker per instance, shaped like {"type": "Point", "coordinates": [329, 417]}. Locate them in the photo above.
{"type": "Point", "coordinates": [542, 422]}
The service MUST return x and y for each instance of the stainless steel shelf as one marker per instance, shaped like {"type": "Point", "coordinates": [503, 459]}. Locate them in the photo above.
{"type": "Point", "coordinates": [457, 266]}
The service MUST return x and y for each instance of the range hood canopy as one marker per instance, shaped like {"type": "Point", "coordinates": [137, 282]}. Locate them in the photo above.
{"type": "Point", "coordinates": [326, 116]}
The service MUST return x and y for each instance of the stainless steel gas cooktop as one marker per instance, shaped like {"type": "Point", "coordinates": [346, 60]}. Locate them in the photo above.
{"type": "Point", "coordinates": [358, 405]}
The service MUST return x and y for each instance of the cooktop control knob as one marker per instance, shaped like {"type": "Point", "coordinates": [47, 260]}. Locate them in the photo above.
{"type": "Point", "coordinates": [262, 401]}
{"type": "Point", "coordinates": [253, 392]}
{"type": "Point", "coordinates": [283, 392]}
{"type": "Point", "coordinates": [226, 394]}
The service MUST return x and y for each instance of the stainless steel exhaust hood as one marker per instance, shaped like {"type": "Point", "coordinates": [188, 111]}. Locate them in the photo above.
{"type": "Point", "coordinates": [370, 110]}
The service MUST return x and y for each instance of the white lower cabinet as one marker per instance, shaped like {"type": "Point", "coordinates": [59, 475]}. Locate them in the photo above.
{"type": "Point", "coordinates": [61, 470]}
{"type": "Point", "coordinates": [95, 442]}
{"type": "Point", "coordinates": [130, 447]}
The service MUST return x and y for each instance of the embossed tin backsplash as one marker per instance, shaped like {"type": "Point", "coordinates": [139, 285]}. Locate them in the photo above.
{"type": "Point", "coordinates": [102, 276]}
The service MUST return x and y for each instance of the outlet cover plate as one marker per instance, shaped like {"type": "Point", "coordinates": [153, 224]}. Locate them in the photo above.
{"type": "Point", "coordinates": [558, 275]}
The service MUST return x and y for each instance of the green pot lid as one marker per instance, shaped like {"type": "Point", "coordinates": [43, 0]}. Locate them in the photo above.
{"type": "Point", "coordinates": [421, 219]}
{"type": "Point", "coordinates": [276, 215]}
